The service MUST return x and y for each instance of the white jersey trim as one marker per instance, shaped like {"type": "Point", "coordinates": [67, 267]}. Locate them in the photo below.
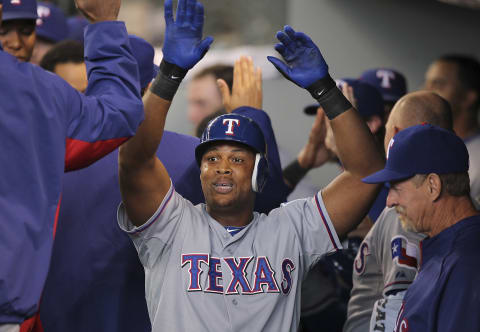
{"type": "Point", "coordinates": [154, 218]}
{"type": "Point", "coordinates": [327, 222]}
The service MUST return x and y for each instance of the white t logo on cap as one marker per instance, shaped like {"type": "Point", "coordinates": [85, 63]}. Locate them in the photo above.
{"type": "Point", "coordinates": [390, 144]}
{"type": "Point", "coordinates": [385, 76]}
{"type": "Point", "coordinates": [16, 2]}
{"type": "Point", "coordinates": [231, 125]}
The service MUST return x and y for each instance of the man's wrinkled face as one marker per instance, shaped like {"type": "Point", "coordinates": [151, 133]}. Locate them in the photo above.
{"type": "Point", "coordinates": [18, 38]}
{"type": "Point", "coordinates": [410, 203]}
{"type": "Point", "coordinates": [226, 175]}
{"type": "Point", "coordinates": [204, 98]}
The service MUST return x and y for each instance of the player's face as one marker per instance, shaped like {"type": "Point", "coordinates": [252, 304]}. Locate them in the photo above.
{"type": "Point", "coordinates": [442, 78]}
{"type": "Point", "coordinates": [203, 99]}
{"type": "Point", "coordinates": [18, 38]}
{"type": "Point", "coordinates": [74, 73]}
{"type": "Point", "coordinates": [226, 173]}
{"type": "Point", "coordinates": [408, 199]}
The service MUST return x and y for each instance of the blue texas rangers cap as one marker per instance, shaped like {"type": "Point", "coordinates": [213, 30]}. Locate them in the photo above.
{"type": "Point", "coordinates": [51, 23]}
{"type": "Point", "coordinates": [422, 149]}
{"type": "Point", "coordinates": [19, 10]}
{"type": "Point", "coordinates": [369, 100]}
{"type": "Point", "coordinates": [231, 127]}
{"type": "Point", "coordinates": [144, 54]}
{"type": "Point", "coordinates": [391, 84]}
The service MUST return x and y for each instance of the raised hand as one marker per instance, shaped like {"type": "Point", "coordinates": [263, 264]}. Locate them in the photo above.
{"type": "Point", "coordinates": [247, 86]}
{"type": "Point", "coordinates": [99, 10]}
{"type": "Point", "coordinates": [304, 64]}
{"type": "Point", "coordinates": [315, 153]}
{"type": "Point", "coordinates": [183, 45]}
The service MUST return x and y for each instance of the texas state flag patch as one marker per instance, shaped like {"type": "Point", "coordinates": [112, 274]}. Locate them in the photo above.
{"type": "Point", "coordinates": [404, 253]}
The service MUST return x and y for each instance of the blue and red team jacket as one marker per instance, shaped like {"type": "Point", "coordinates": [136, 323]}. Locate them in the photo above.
{"type": "Point", "coordinates": [96, 281]}
{"type": "Point", "coordinates": [47, 127]}
{"type": "Point", "coordinates": [445, 296]}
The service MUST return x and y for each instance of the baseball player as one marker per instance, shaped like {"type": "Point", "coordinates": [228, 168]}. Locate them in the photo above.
{"type": "Point", "coordinates": [107, 280]}
{"type": "Point", "coordinates": [388, 258]}
{"type": "Point", "coordinates": [431, 196]}
{"type": "Point", "coordinates": [219, 266]}
{"type": "Point", "coordinates": [51, 28]}
{"type": "Point", "coordinates": [46, 128]}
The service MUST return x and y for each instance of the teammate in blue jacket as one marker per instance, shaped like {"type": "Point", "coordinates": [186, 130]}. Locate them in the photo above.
{"type": "Point", "coordinates": [46, 128]}
{"type": "Point", "coordinates": [432, 196]}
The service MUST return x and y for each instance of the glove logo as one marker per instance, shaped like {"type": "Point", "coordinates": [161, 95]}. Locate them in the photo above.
{"type": "Point", "coordinates": [231, 125]}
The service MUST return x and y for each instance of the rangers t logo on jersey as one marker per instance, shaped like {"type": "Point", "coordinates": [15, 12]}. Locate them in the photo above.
{"type": "Point", "coordinates": [404, 253]}
{"type": "Point", "coordinates": [231, 125]}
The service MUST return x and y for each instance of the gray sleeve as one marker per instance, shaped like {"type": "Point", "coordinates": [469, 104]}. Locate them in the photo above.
{"type": "Point", "coordinates": [312, 224]}
{"type": "Point", "coordinates": [158, 232]}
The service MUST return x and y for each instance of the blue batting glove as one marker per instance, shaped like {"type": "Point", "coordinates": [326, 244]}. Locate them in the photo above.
{"type": "Point", "coordinates": [304, 62]}
{"type": "Point", "coordinates": [183, 45]}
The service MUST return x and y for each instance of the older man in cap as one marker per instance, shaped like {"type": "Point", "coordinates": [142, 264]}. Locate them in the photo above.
{"type": "Point", "coordinates": [427, 170]}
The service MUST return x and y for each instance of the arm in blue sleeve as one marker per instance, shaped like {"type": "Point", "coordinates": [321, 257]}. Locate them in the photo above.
{"type": "Point", "coordinates": [275, 191]}
{"type": "Point", "coordinates": [112, 108]}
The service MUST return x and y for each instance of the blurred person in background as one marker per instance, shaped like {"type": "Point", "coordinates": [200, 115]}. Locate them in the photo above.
{"type": "Point", "coordinates": [17, 31]}
{"type": "Point", "coordinates": [391, 84]}
{"type": "Point", "coordinates": [204, 96]}
{"type": "Point", "coordinates": [66, 59]}
{"type": "Point", "coordinates": [456, 78]}
{"type": "Point", "coordinates": [51, 28]}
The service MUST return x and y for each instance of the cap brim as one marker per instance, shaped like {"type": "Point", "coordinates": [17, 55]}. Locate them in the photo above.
{"type": "Point", "coordinates": [385, 176]}
{"type": "Point", "coordinates": [311, 109]}
{"type": "Point", "coordinates": [18, 16]}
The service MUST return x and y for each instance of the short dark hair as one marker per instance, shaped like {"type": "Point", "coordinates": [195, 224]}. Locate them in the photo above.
{"type": "Point", "coordinates": [468, 72]}
{"type": "Point", "coordinates": [63, 52]}
{"type": "Point", "coordinates": [453, 184]}
{"type": "Point", "coordinates": [224, 72]}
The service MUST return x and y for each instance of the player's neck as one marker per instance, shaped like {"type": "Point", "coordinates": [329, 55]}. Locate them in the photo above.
{"type": "Point", "coordinates": [453, 210]}
{"type": "Point", "coordinates": [238, 216]}
{"type": "Point", "coordinates": [465, 124]}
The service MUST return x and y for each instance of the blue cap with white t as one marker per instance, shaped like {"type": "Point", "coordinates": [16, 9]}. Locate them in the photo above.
{"type": "Point", "coordinates": [19, 10]}
{"type": "Point", "coordinates": [391, 84]}
{"type": "Point", "coordinates": [422, 149]}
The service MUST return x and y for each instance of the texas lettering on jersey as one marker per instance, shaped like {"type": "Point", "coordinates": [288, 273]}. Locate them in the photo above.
{"type": "Point", "coordinates": [263, 280]}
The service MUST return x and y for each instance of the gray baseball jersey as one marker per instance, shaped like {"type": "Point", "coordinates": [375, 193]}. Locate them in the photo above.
{"type": "Point", "coordinates": [200, 278]}
{"type": "Point", "coordinates": [386, 261]}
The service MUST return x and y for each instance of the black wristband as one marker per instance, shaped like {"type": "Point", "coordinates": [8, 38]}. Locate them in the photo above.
{"type": "Point", "coordinates": [331, 99]}
{"type": "Point", "coordinates": [168, 80]}
{"type": "Point", "coordinates": [294, 173]}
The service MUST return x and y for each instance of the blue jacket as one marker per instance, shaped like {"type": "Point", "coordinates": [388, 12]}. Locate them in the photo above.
{"type": "Point", "coordinates": [445, 295]}
{"type": "Point", "coordinates": [46, 127]}
{"type": "Point", "coordinates": [96, 281]}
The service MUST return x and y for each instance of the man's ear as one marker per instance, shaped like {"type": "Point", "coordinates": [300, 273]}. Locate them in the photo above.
{"type": "Point", "coordinates": [433, 186]}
